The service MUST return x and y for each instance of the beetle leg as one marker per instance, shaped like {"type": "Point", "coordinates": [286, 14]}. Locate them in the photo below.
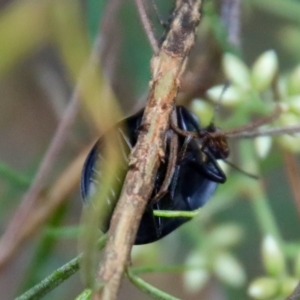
{"type": "Point", "coordinates": [184, 147]}
{"type": "Point", "coordinates": [209, 168]}
{"type": "Point", "coordinates": [183, 132]}
{"type": "Point", "coordinates": [171, 163]}
{"type": "Point", "coordinates": [217, 173]}
{"type": "Point", "coordinates": [174, 182]}
{"type": "Point", "coordinates": [241, 170]}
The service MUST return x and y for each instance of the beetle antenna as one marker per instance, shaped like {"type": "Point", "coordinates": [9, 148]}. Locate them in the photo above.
{"type": "Point", "coordinates": [240, 170]}
{"type": "Point", "coordinates": [254, 125]}
{"type": "Point", "coordinates": [218, 104]}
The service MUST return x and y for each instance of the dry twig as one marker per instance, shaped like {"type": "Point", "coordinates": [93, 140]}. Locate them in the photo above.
{"type": "Point", "coordinates": [167, 68]}
{"type": "Point", "coordinates": [57, 194]}
{"type": "Point", "coordinates": [147, 25]}
{"type": "Point", "coordinates": [30, 199]}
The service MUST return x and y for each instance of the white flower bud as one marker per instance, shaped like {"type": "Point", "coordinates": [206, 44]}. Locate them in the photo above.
{"type": "Point", "coordinates": [264, 70]}
{"type": "Point", "coordinates": [231, 96]}
{"type": "Point", "coordinates": [263, 145]}
{"type": "Point", "coordinates": [272, 256]}
{"type": "Point", "coordinates": [195, 280]}
{"type": "Point", "coordinates": [226, 235]}
{"type": "Point", "coordinates": [229, 270]}
{"type": "Point", "coordinates": [263, 288]}
{"type": "Point", "coordinates": [236, 70]}
{"type": "Point", "coordinates": [293, 82]}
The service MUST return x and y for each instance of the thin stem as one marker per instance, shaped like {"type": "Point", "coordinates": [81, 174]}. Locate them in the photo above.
{"type": "Point", "coordinates": [249, 127]}
{"type": "Point", "coordinates": [166, 269]}
{"type": "Point", "coordinates": [57, 277]}
{"type": "Point", "coordinates": [43, 251]}
{"type": "Point", "coordinates": [52, 281]}
{"type": "Point", "coordinates": [148, 288]}
{"type": "Point", "coordinates": [266, 132]}
{"type": "Point", "coordinates": [147, 25]}
{"type": "Point", "coordinates": [85, 295]}
{"type": "Point", "coordinates": [175, 214]}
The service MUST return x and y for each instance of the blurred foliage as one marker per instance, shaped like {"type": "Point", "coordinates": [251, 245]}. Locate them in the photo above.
{"type": "Point", "coordinates": [58, 37]}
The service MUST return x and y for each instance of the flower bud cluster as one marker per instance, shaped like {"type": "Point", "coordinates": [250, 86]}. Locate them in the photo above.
{"type": "Point", "coordinates": [260, 84]}
{"type": "Point", "coordinates": [214, 259]}
{"type": "Point", "coordinates": [277, 284]}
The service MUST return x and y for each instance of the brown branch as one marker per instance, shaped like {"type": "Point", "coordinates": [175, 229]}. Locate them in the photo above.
{"type": "Point", "coordinates": [167, 67]}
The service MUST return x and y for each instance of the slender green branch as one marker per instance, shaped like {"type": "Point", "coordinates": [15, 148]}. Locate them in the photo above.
{"type": "Point", "coordinates": [52, 281]}
{"type": "Point", "coordinates": [85, 295]}
{"type": "Point", "coordinates": [43, 251]}
{"type": "Point", "coordinates": [57, 277]}
{"type": "Point", "coordinates": [174, 214]}
{"type": "Point", "coordinates": [148, 288]}
{"type": "Point", "coordinates": [165, 269]}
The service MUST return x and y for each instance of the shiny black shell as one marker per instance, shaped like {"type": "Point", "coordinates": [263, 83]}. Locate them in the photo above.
{"type": "Point", "coordinates": [197, 179]}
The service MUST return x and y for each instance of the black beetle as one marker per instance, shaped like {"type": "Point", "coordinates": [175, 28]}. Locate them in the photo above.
{"type": "Point", "coordinates": [196, 176]}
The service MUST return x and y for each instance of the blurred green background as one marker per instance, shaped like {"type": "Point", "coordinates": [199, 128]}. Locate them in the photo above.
{"type": "Point", "coordinates": [35, 86]}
